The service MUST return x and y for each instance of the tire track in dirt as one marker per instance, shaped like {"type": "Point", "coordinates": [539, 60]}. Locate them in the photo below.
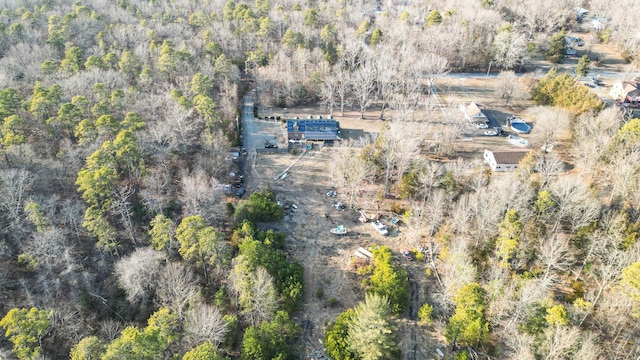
{"type": "Point", "coordinates": [411, 348]}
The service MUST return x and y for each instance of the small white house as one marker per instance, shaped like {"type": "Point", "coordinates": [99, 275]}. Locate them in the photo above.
{"type": "Point", "coordinates": [502, 161]}
{"type": "Point", "coordinates": [474, 113]}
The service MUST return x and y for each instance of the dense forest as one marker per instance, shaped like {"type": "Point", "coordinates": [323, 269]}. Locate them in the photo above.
{"type": "Point", "coordinates": [116, 241]}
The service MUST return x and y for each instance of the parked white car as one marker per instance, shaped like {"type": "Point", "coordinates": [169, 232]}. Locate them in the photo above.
{"type": "Point", "coordinates": [482, 126]}
{"type": "Point", "coordinates": [491, 133]}
{"type": "Point", "coordinates": [380, 227]}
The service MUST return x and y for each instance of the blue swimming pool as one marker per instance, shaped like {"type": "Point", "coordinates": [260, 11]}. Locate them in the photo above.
{"type": "Point", "coordinates": [520, 127]}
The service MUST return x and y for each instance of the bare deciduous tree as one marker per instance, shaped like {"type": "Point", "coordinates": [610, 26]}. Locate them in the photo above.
{"type": "Point", "coordinates": [458, 268]}
{"type": "Point", "coordinates": [433, 67]}
{"type": "Point", "coordinates": [349, 171]}
{"type": "Point", "coordinates": [137, 273]}
{"type": "Point", "coordinates": [363, 84]}
{"type": "Point", "coordinates": [13, 190]}
{"type": "Point", "coordinates": [121, 206]}
{"type": "Point", "coordinates": [205, 323]}
{"type": "Point", "coordinates": [510, 50]}
{"type": "Point", "coordinates": [399, 145]}
{"type": "Point", "coordinates": [555, 254]}
{"type": "Point", "coordinates": [328, 91]}
{"type": "Point", "coordinates": [182, 124]}
{"type": "Point", "coordinates": [507, 87]}
{"type": "Point", "coordinates": [49, 248]}
{"type": "Point", "coordinates": [214, 159]}
{"type": "Point", "coordinates": [589, 347]}
{"type": "Point", "coordinates": [157, 190]}
{"type": "Point", "coordinates": [559, 342]}
{"type": "Point", "coordinates": [551, 125]}
{"type": "Point", "coordinates": [576, 204]}
{"type": "Point", "coordinates": [201, 194]}
{"type": "Point", "coordinates": [254, 292]}
{"type": "Point", "coordinates": [429, 177]}
{"type": "Point", "coordinates": [176, 287]}
{"type": "Point", "coordinates": [343, 87]}
{"type": "Point", "coordinates": [548, 168]}
{"type": "Point", "coordinates": [261, 303]}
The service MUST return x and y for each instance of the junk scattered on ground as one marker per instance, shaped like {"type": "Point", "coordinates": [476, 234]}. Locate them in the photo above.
{"type": "Point", "coordinates": [407, 255]}
{"type": "Point", "coordinates": [363, 216]}
{"type": "Point", "coordinates": [286, 205]}
{"type": "Point", "coordinates": [360, 255]}
{"type": "Point", "coordinates": [366, 252]}
{"type": "Point", "coordinates": [380, 227]}
{"type": "Point", "coordinates": [339, 230]}
{"type": "Point", "coordinates": [363, 253]}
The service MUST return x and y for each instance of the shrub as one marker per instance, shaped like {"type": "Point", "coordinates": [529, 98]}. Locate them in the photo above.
{"type": "Point", "coordinates": [263, 207]}
{"type": "Point", "coordinates": [388, 279]}
{"type": "Point", "coordinates": [264, 248]}
{"type": "Point", "coordinates": [418, 255]}
{"type": "Point", "coordinates": [604, 36]}
{"type": "Point", "coordinates": [425, 314]}
{"type": "Point", "coordinates": [397, 208]}
{"type": "Point", "coordinates": [28, 261]}
{"type": "Point", "coordinates": [242, 213]}
{"type": "Point", "coordinates": [434, 18]}
{"type": "Point", "coordinates": [468, 326]}
{"type": "Point", "coordinates": [556, 51]}
{"type": "Point", "coordinates": [536, 323]}
{"type": "Point", "coordinates": [564, 91]}
{"type": "Point", "coordinates": [557, 315]}
{"type": "Point", "coordinates": [336, 336]}
{"type": "Point", "coordinates": [583, 66]}
{"type": "Point", "coordinates": [274, 339]}
{"type": "Point", "coordinates": [319, 293]}
{"type": "Point", "coordinates": [230, 209]}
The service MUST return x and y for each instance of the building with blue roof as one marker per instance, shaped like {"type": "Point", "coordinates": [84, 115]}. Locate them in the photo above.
{"type": "Point", "coordinates": [313, 129]}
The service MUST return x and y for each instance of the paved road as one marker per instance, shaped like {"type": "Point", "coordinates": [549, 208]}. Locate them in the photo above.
{"type": "Point", "coordinates": [249, 141]}
{"type": "Point", "coordinates": [248, 124]}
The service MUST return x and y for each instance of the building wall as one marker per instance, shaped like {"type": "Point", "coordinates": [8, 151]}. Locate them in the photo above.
{"type": "Point", "coordinates": [504, 167]}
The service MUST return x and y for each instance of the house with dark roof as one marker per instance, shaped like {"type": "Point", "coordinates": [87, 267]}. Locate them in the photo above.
{"type": "Point", "coordinates": [626, 92]}
{"type": "Point", "coordinates": [313, 129]}
{"type": "Point", "coordinates": [501, 161]}
{"type": "Point", "coordinates": [474, 113]}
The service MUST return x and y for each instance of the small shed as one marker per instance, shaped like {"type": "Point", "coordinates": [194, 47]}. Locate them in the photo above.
{"type": "Point", "coordinates": [474, 113]}
{"type": "Point", "coordinates": [502, 161]}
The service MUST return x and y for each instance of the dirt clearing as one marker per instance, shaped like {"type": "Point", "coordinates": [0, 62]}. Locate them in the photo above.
{"type": "Point", "coordinates": [327, 258]}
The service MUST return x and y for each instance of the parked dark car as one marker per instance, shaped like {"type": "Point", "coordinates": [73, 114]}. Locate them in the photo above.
{"type": "Point", "coordinates": [240, 192]}
{"type": "Point", "coordinates": [270, 146]}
